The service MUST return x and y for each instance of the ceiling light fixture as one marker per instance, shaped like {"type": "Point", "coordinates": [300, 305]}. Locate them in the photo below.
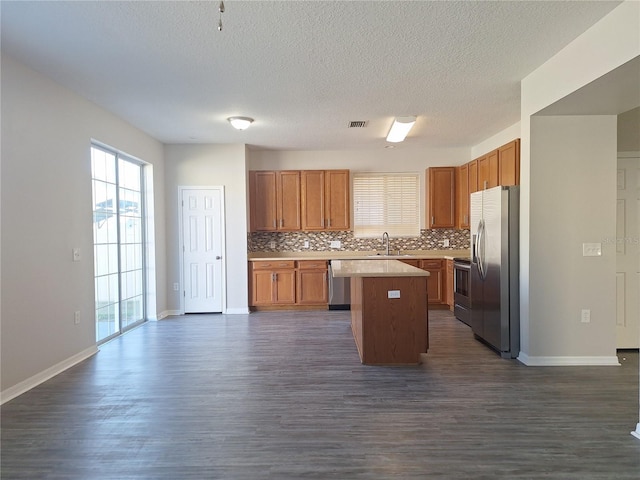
{"type": "Point", "coordinates": [240, 123]}
{"type": "Point", "coordinates": [400, 128]}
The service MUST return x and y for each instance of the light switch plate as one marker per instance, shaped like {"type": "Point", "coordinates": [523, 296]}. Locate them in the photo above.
{"type": "Point", "coordinates": [591, 249]}
{"type": "Point", "coordinates": [76, 254]}
{"type": "Point", "coordinates": [393, 293]}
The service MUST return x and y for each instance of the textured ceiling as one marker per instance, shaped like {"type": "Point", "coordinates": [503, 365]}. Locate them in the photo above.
{"type": "Point", "coordinates": [302, 69]}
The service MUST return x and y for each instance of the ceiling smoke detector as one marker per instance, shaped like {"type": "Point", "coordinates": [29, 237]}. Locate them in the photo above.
{"type": "Point", "coordinates": [358, 123]}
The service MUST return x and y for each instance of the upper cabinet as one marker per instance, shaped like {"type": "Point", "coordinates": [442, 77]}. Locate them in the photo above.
{"type": "Point", "coordinates": [462, 196]}
{"type": "Point", "coordinates": [274, 200]}
{"type": "Point", "coordinates": [325, 200]}
{"type": "Point", "coordinates": [499, 167]}
{"type": "Point", "coordinates": [509, 156]}
{"type": "Point", "coordinates": [473, 176]}
{"type": "Point", "coordinates": [488, 171]}
{"type": "Point", "coordinates": [290, 200]}
{"type": "Point", "coordinates": [441, 187]}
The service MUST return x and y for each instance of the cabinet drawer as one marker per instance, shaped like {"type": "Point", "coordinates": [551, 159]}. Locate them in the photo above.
{"type": "Point", "coordinates": [270, 265]}
{"type": "Point", "coordinates": [312, 264]}
{"type": "Point", "coordinates": [431, 264]}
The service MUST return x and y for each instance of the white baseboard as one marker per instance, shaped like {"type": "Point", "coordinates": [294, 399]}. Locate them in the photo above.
{"type": "Point", "coordinates": [168, 313]}
{"type": "Point", "coordinates": [562, 361]}
{"type": "Point", "coordinates": [237, 311]}
{"type": "Point", "coordinates": [31, 382]}
{"type": "Point", "coordinates": [636, 432]}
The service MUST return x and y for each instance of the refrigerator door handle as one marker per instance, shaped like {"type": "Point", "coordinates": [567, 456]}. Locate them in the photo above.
{"type": "Point", "coordinates": [474, 253]}
{"type": "Point", "coordinates": [481, 250]}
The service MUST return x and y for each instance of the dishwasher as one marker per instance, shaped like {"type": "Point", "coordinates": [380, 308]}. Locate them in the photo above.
{"type": "Point", "coordinates": [339, 291]}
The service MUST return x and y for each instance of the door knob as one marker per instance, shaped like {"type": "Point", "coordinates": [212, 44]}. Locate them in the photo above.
{"type": "Point", "coordinates": [218, 257]}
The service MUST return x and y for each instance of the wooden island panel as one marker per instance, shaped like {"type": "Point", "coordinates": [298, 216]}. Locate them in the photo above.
{"type": "Point", "coordinates": [389, 331]}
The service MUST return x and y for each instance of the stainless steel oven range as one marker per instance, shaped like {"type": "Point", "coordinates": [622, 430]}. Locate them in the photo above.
{"type": "Point", "coordinates": [461, 286]}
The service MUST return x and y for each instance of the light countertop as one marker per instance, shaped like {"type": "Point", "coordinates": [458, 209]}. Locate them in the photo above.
{"type": "Point", "coordinates": [350, 255]}
{"type": "Point", "coordinates": [375, 268]}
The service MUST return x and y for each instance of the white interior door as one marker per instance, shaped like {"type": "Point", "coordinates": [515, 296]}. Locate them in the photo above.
{"type": "Point", "coordinates": [202, 233]}
{"type": "Point", "coordinates": [627, 248]}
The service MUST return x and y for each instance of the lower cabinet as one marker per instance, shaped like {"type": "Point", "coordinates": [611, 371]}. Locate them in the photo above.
{"type": "Point", "coordinates": [312, 283]}
{"type": "Point", "coordinates": [449, 283]}
{"type": "Point", "coordinates": [288, 283]}
{"type": "Point", "coordinates": [291, 283]}
{"type": "Point", "coordinates": [435, 281]}
{"type": "Point", "coordinates": [273, 283]}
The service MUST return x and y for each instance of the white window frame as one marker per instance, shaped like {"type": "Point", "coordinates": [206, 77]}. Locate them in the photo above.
{"type": "Point", "coordinates": [386, 202]}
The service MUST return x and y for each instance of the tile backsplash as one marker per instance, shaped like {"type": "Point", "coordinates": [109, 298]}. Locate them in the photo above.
{"type": "Point", "coordinates": [321, 241]}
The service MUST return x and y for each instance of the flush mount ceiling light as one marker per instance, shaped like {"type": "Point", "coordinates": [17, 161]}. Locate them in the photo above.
{"type": "Point", "coordinates": [240, 123]}
{"type": "Point", "coordinates": [400, 129]}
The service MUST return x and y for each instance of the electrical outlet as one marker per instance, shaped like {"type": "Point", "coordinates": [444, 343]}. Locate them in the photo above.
{"type": "Point", "coordinates": [272, 244]}
{"type": "Point", "coordinates": [176, 287]}
{"type": "Point", "coordinates": [335, 244]}
{"type": "Point", "coordinates": [76, 254]}
{"type": "Point", "coordinates": [585, 316]}
{"type": "Point", "coordinates": [306, 244]}
{"type": "Point", "coordinates": [445, 242]}
{"type": "Point", "coordinates": [76, 317]}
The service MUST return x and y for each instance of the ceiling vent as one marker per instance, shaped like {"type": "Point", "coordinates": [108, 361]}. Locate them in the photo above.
{"type": "Point", "coordinates": [358, 123]}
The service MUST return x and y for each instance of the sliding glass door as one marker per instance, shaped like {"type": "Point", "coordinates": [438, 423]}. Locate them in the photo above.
{"type": "Point", "coordinates": [118, 236]}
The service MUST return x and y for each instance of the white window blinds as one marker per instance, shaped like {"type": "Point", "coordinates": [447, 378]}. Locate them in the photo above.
{"type": "Point", "coordinates": [386, 202]}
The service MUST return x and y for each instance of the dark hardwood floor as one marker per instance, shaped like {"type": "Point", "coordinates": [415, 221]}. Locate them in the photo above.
{"type": "Point", "coordinates": [284, 396]}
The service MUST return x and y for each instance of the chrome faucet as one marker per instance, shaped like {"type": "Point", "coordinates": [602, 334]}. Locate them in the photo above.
{"type": "Point", "coordinates": [386, 235]}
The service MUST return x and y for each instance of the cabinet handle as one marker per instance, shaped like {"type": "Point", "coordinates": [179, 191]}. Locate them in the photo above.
{"type": "Point", "coordinates": [433, 220]}
{"type": "Point", "coordinates": [466, 219]}
{"type": "Point", "coordinates": [274, 224]}
{"type": "Point", "coordinates": [281, 222]}
{"type": "Point", "coordinates": [329, 222]}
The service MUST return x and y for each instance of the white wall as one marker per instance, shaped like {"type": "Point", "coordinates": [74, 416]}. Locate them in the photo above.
{"type": "Point", "coordinates": [499, 139]}
{"type": "Point", "coordinates": [403, 158]}
{"type": "Point", "coordinates": [210, 165]}
{"type": "Point", "coordinates": [46, 198]}
{"type": "Point", "coordinates": [607, 45]}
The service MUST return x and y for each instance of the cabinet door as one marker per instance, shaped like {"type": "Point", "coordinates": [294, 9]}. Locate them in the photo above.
{"type": "Point", "coordinates": [483, 172]}
{"type": "Point", "coordinates": [262, 192]}
{"type": "Point", "coordinates": [312, 287]}
{"type": "Point", "coordinates": [434, 281]}
{"type": "Point", "coordinates": [337, 204]}
{"type": "Point", "coordinates": [285, 287]}
{"type": "Point", "coordinates": [492, 169]}
{"type": "Point", "coordinates": [288, 194]}
{"type": "Point", "coordinates": [473, 176]}
{"type": "Point", "coordinates": [462, 195]}
{"type": "Point", "coordinates": [312, 195]}
{"type": "Point", "coordinates": [441, 197]}
{"type": "Point", "coordinates": [449, 284]}
{"type": "Point", "coordinates": [262, 288]}
{"type": "Point", "coordinates": [509, 161]}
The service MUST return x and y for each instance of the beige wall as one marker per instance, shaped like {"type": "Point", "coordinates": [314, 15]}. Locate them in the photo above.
{"type": "Point", "coordinates": [47, 211]}
{"type": "Point", "coordinates": [210, 165]}
{"type": "Point", "coordinates": [573, 198]}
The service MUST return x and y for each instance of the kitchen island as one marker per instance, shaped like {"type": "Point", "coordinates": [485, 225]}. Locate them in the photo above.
{"type": "Point", "coordinates": [389, 315]}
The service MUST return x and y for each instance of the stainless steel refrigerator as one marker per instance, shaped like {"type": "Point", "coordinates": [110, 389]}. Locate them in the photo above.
{"type": "Point", "coordinates": [495, 297]}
